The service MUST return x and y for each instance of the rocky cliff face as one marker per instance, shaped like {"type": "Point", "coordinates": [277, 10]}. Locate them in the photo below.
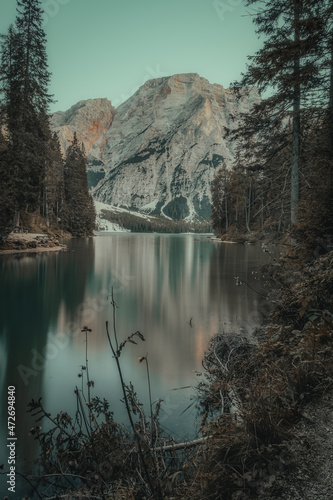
{"type": "Point", "coordinates": [163, 146]}
{"type": "Point", "coordinates": [89, 119]}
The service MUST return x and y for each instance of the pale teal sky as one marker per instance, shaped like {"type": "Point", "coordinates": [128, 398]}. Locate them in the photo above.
{"type": "Point", "coordinates": [108, 48]}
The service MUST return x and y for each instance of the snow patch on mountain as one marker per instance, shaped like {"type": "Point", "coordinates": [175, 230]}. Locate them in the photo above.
{"type": "Point", "coordinates": [105, 225]}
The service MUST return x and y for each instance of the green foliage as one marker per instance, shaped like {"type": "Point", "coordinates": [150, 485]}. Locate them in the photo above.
{"type": "Point", "coordinates": [268, 208]}
{"type": "Point", "coordinates": [6, 191]}
{"type": "Point", "coordinates": [238, 198]}
{"type": "Point", "coordinates": [79, 210]}
{"type": "Point", "coordinates": [31, 165]}
{"type": "Point", "coordinates": [24, 84]}
{"type": "Point", "coordinates": [315, 221]}
{"type": "Point", "coordinates": [29, 23]}
{"type": "Point", "coordinates": [53, 192]}
{"type": "Point", "coordinates": [285, 144]}
{"type": "Point", "coordinates": [202, 207]}
{"type": "Point", "coordinates": [177, 208]}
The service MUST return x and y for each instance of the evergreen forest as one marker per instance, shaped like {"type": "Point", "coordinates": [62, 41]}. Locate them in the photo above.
{"type": "Point", "coordinates": [281, 181]}
{"type": "Point", "coordinates": [154, 224]}
{"type": "Point", "coordinates": [39, 188]}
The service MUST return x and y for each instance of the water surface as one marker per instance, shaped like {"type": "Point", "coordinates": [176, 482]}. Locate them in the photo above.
{"type": "Point", "coordinates": [177, 290]}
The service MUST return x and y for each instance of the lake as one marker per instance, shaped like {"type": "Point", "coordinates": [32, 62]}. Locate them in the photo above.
{"type": "Point", "coordinates": [177, 290]}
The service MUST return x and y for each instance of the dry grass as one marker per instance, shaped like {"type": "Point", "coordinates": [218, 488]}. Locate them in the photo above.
{"type": "Point", "coordinates": [255, 393]}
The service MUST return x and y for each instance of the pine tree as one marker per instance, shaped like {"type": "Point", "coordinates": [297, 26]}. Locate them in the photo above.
{"type": "Point", "coordinates": [9, 93]}
{"type": "Point", "coordinates": [24, 83]}
{"type": "Point", "coordinates": [220, 216]}
{"type": "Point", "coordinates": [288, 66]}
{"type": "Point", "coordinates": [79, 210]}
{"type": "Point", "coordinates": [31, 164]}
{"type": "Point", "coordinates": [35, 67]}
{"type": "Point", "coordinates": [53, 195]}
{"type": "Point", "coordinates": [6, 191]}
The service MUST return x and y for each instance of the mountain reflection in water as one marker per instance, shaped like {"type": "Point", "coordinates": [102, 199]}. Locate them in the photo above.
{"type": "Point", "coordinates": [177, 290]}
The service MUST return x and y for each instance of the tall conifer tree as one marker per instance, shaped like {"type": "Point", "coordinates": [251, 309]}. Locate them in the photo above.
{"type": "Point", "coordinates": [24, 91]}
{"type": "Point", "coordinates": [79, 210]}
{"type": "Point", "coordinates": [53, 193]}
{"type": "Point", "coordinates": [288, 138]}
{"type": "Point", "coordinates": [287, 66]}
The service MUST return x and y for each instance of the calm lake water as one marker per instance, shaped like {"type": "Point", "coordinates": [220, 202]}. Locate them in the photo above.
{"type": "Point", "coordinates": [177, 290]}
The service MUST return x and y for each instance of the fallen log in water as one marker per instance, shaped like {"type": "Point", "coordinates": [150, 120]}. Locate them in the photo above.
{"type": "Point", "coordinates": [182, 446]}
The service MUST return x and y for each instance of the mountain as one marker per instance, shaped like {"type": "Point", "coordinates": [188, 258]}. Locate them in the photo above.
{"type": "Point", "coordinates": [89, 119]}
{"type": "Point", "coordinates": [158, 151]}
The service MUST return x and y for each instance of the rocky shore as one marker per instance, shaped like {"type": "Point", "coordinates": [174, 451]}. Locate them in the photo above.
{"type": "Point", "coordinates": [30, 243]}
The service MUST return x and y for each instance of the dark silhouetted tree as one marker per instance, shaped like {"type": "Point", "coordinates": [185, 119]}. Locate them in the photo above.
{"type": "Point", "coordinates": [79, 210]}
{"type": "Point", "coordinates": [285, 145]}
{"type": "Point", "coordinates": [24, 93]}
{"type": "Point", "coordinates": [53, 195]}
{"type": "Point", "coordinates": [289, 67]}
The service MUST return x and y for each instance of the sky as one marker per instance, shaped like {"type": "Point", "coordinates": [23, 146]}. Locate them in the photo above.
{"type": "Point", "coordinates": [109, 48]}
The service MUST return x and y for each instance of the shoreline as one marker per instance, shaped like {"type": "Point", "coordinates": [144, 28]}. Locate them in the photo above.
{"type": "Point", "coordinates": [284, 393]}
{"type": "Point", "coordinates": [17, 243]}
{"type": "Point", "coordinates": [13, 251]}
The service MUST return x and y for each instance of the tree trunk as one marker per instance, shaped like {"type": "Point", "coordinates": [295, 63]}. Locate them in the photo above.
{"type": "Point", "coordinates": [226, 210]}
{"type": "Point", "coordinates": [17, 218]}
{"type": "Point", "coordinates": [249, 210]}
{"type": "Point", "coordinates": [247, 206]}
{"type": "Point", "coordinates": [296, 129]}
{"type": "Point", "coordinates": [47, 215]}
{"type": "Point", "coordinates": [247, 222]}
{"type": "Point", "coordinates": [330, 123]}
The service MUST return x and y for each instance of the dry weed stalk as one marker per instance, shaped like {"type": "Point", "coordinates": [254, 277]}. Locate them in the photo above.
{"type": "Point", "coordinates": [93, 451]}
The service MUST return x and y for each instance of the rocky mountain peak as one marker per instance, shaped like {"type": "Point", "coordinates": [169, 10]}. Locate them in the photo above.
{"type": "Point", "coordinates": [159, 150]}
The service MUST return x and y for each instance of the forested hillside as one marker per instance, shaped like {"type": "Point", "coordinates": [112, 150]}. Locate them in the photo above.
{"type": "Point", "coordinates": [37, 190]}
{"type": "Point", "coordinates": [148, 224]}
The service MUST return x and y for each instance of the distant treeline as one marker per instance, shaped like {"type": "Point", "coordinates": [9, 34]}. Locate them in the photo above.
{"type": "Point", "coordinates": [138, 224]}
